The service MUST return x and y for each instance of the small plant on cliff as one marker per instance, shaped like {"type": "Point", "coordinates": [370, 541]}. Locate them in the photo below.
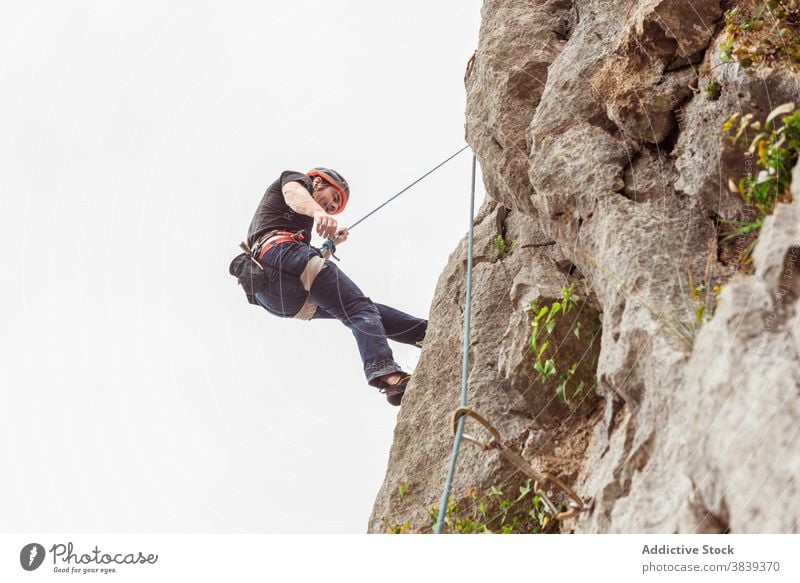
{"type": "Point", "coordinates": [762, 32]}
{"type": "Point", "coordinates": [404, 528]}
{"type": "Point", "coordinates": [713, 90]}
{"type": "Point", "coordinates": [502, 247]}
{"type": "Point", "coordinates": [705, 298]}
{"type": "Point", "coordinates": [544, 319]}
{"type": "Point", "coordinates": [776, 147]}
{"type": "Point", "coordinates": [494, 512]}
{"type": "Point", "coordinates": [702, 294]}
{"type": "Point", "coordinates": [403, 487]}
{"type": "Point", "coordinates": [458, 521]}
{"type": "Point", "coordinates": [737, 239]}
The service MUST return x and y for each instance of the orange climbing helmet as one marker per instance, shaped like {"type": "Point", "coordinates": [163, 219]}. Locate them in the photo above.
{"type": "Point", "coordinates": [336, 180]}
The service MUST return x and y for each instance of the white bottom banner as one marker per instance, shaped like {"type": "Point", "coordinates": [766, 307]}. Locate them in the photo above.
{"type": "Point", "coordinates": [400, 558]}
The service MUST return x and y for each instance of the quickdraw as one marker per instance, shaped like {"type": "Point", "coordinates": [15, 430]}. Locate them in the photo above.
{"type": "Point", "coordinates": [576, 503]}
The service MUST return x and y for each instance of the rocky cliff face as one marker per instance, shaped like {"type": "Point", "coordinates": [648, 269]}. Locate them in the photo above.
{"type": "Point", "coordinates": [605, 166]}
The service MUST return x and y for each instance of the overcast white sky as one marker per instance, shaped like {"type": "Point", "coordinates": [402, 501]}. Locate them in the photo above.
{"type": "Point", "coordinates": [139, 392]}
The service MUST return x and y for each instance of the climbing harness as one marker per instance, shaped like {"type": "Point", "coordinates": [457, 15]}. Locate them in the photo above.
{"type": "Point", "coordinates": [276, 238]}
{"type": "Point", "coordinates": [267, 242]}
{"type": "Point", "coordinates": [496, 443]}
{"type": "Point", "coordinates": [331, 247]}
{"type": "Point", "coordinates": [539, 480]}
{"type": "Point", "coordinates": [254, 280]}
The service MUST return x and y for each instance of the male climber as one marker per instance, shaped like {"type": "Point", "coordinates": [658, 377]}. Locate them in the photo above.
{"type": "Point", "coordinates": [303, 283]}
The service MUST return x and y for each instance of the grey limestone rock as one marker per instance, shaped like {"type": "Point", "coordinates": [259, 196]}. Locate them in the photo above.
{"type": "Point", "coordinates": [604, 161]}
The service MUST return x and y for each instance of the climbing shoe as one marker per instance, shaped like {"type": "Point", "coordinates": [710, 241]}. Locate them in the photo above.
{"type": "Point", "coordinates": [394, 393]}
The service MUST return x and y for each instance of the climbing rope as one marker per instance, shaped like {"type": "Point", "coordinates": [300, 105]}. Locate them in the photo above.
{"type": "Point", "coordinates": [540, 479]}
{"type": "Point", "coordinates": [328, 244]}
{"type": "Point", "coordinates": [429, 172]}
{"type": "Point", "coordinates": [459, 430]}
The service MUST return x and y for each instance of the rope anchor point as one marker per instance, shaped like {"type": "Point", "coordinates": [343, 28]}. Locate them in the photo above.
{"type": "Point", "coordinates": [540, 480]}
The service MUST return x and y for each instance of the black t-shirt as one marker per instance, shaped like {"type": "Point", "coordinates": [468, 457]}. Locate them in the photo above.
{"type": "Point", "coordinates": [273, 212]}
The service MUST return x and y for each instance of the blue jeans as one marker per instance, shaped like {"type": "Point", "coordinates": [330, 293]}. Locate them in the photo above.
{"type": "Point", "coordinates": [338, 297]}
